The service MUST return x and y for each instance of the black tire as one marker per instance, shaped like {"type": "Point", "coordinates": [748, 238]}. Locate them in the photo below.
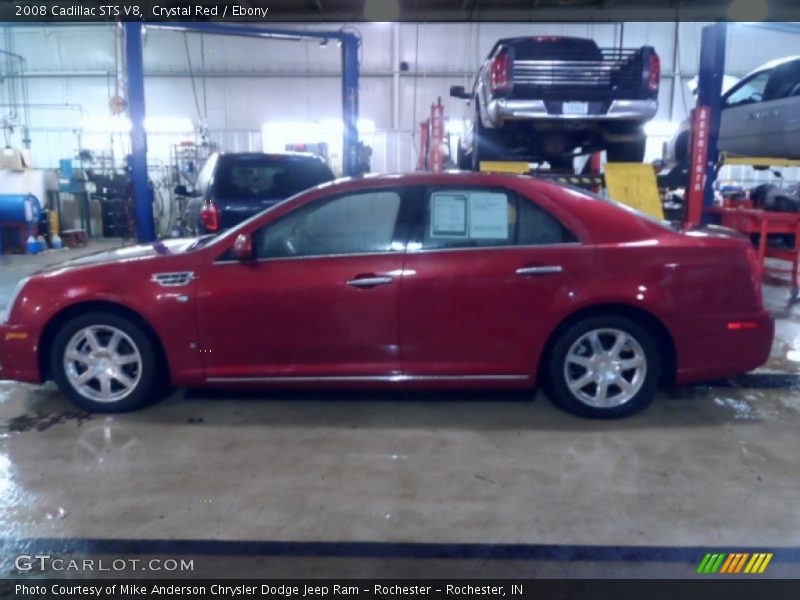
{"type": "Point", "coordinates": [149, 385]}
{"type": "Point", "coordinates": [556, 368]}
{"type": "Point", "coordinates": [561, 163]}
{"type": "Point", "coordinates": [462, 159]}
{"type": "Point", "coordinates": [632, 151]}
{"type": "Point", "coordinates": [483, 144]}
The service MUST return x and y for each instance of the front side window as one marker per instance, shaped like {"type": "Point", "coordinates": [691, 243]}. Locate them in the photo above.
{"type": "Point", "coordinates": [749, 91]}
{"type": "Point", "coordinates": [359, 223]}
{"type": "Point", "coordinates": [487, 217]}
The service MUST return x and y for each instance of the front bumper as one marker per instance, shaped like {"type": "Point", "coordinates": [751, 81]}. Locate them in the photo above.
{"type": "Point", "coordinates": [504, 109]}
{"type": "Point", "coordinates": [709, 349]}
{"type": "Point", "coordinates": [18, 354]}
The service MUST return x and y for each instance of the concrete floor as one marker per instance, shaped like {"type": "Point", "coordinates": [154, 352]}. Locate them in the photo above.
{"type": "Point", "coordinates": [229, 477]}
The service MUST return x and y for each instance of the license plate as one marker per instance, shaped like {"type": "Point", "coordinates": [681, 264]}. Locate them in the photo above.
{"type": "Point", "coordinates": [575, 108]}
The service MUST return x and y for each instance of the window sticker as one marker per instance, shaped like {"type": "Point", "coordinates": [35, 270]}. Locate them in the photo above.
{"type": "Point", "coordinates": [448, 215]}
{"type": "Point", "coordinates": [488, 216]}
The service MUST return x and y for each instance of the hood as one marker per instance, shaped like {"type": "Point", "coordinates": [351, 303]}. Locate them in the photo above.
{"type": "Point", "coordinates": [129, 253]}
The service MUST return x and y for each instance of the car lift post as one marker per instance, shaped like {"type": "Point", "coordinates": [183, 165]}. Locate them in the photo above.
{"type": "Point", "coordinates": [145, 226]}
{"type": "Point", "coordinates": [705, 124]}
{"type": "Point", "coordinates": [143, 202]}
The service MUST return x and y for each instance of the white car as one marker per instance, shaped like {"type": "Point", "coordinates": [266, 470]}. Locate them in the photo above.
{"type": "Point", "coordinates": [760, 115]}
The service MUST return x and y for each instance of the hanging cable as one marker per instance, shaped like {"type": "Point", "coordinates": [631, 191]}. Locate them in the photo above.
{"type": "Point", "coordinates": [191, 76]}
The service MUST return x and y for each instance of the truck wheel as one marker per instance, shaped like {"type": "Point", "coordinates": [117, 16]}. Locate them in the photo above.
{"type": "Point", "coordinates": [603, 367]}
{"type": "Point", "coordinates": [462, 160]}
{"type": "Point", "coordinates": [632, 151]}
{"type": "Point", "coordinates": [482, 144]}
{"type": "Point", "coordinates": [105, 363]}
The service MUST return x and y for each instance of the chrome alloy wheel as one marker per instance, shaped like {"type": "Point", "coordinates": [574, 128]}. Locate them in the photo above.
{"type": "Point", "coordinates": [102, 363]}
{"type": "Point", "coordinates": [605, 368]}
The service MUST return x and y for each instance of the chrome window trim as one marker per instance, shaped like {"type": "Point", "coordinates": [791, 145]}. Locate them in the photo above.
{"type": "Point", "coordinates": [402, 252]}
{"type": "Point", "coordinates": [367, 378]}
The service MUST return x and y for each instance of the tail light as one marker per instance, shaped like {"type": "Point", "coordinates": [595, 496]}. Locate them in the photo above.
{"type": "Point", "coordinates": [209, 216]}
{"type": "Point", "coordinates": [654, 75]}
{"type": "Point", "coordinates": [500, 81]}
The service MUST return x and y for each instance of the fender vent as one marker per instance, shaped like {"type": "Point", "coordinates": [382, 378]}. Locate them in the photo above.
{"type": "Point", "coordinates": [173, 279]}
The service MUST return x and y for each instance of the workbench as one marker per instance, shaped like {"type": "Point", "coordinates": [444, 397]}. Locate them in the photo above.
{"type": "Point", "coordinates": [749, 221]}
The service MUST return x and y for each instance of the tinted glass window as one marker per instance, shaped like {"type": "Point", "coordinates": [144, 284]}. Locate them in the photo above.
{"type": "Point", "coordinates": [267, 176]}
{"type": "Point", "coordinates": [749, 91]}
{"type": "Point", "coordinates": [785, 82]}
{"type": "Point", "coordinates": [556, 48]}
{"type": "Point", "coordinates": [474, 218]}
{"type": "Point", "coordinates": [204, 176]}
{"type": "Point", "coordinates": [353, 224]}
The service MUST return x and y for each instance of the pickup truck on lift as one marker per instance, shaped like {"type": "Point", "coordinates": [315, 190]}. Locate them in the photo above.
{"type": "Point", "coordinates": [551, 98]}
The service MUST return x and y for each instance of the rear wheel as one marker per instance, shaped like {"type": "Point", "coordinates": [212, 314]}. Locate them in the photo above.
{"type": "Point", "coordinates": [104, 362]}
{"type": "Point", "coordinates": [631, 151]}
{"type": "Point", "coordinates": [604, 367]}
{"type": "Point", "coordinates": [483, 144]}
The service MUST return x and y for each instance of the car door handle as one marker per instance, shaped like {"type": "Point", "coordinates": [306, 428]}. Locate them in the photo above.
{"type": "Point", "coordinates": [543, 270]}
{"type": "Point", "coordinates": [370, 281]}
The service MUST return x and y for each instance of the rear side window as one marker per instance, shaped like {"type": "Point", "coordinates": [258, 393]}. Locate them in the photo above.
{"type": "Point", "coordinates": [486, 217]}
{"type": "Point", "coordinates": [259, 177]}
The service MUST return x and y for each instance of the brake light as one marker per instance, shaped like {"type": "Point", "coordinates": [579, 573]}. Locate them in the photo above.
{"type": "Point", "coordinates": [547, 38]}
{"type": "Point", "coordinates": [654, 76]}
{"type": "Point", "coordinates": [739, 325]}
{"type": "Point", "coordinates": [500, 80]}
{"type": "Point", "coordinates": [209, 216]}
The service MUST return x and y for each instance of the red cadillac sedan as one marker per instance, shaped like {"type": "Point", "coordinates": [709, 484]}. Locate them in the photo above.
{"type": "Point", "coordinates": [456, 280]}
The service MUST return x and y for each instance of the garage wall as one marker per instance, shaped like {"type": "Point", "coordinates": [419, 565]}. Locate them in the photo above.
{"type": "Point", "coordinates": [249, 82]}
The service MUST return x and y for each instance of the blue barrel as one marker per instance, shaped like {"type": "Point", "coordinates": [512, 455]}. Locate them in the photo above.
{"type": "Point", "coordinates": [20, 208]}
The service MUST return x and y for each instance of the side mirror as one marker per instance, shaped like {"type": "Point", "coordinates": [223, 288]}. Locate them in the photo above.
{"type": "Point", "coordinates": [458, 91]}
{"type": "Point", "coordinates": [242, 247]}
{"type": "Point", "coordinates": [181, 190]}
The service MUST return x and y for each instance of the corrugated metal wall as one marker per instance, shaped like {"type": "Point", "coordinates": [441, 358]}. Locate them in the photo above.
{"type": "Point", "coordinates": [249, 82]}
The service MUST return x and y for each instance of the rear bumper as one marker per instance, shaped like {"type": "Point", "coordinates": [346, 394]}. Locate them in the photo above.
{"type": "Point", "coordinates": [708, 348]}
{"type": "Point", "coordinates": [503, 109]}
{"type": "Point", "coordinates": [18, 354]}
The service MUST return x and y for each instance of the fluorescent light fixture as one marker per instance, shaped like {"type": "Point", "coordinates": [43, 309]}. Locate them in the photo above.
{"type": "Point", "coordinates": [661, 128]}
{"type": "Point", "coordinates": [311, 131]}
{"type": "Point", "coordinates": [168, 125]}
{"type": "Point", "coordinates": [119, 124]}
{"type": "Point", "coordinates": [454, 127]}
{"type": "Point", "coordinates": [381, 10]}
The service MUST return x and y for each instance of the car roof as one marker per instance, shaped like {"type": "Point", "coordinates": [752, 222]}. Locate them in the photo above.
{"type": "Point", "coordinates": [773, 64]}
{"type": "Point", "coordinates": [298, 155]}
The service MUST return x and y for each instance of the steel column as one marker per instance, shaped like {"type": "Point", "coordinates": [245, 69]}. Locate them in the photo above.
{"type": "Point", "coordinates": [143, 201]}
{"type": "Point", "coordinates": [705, 123]}
{"type": "Point", "coordinates": [351, 147]}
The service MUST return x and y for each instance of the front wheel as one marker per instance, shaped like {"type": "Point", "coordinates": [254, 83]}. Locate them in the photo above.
{"type": "Point", "coordinates": [604, 367]}
{"type": "Point", "coordinates": [105, 363]}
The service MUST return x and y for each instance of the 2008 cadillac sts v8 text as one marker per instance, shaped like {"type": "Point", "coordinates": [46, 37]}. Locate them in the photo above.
{"type": "Point", "coordinates": [414, 281]}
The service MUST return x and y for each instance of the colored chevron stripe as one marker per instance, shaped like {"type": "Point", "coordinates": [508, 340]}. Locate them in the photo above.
{"type": "Point", "coordinates": [734, 562]}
